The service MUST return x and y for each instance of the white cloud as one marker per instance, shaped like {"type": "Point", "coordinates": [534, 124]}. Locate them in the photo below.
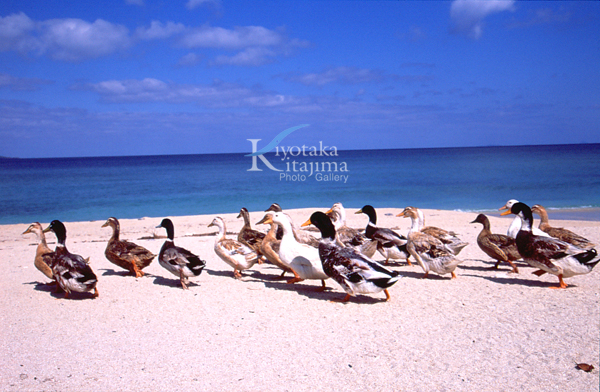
{"type": "Point", "coordinates": [189, 60]}
{"type": "Point", "coordinates": [218, 94]}
{"type": "Point", "coordinates": [238, 38]}
{"type": "Point", "coordinates": [76, 39]}
{"type": "Point", "coordinates": [468, 15]}
{"type": "Point", "coordinates": [158, 30]}
{"type": "Point", "coordinates": [62, 39]}
{"type": "Point", "coordinates": [15, 32]}
{"type": "Point", "coordinates": [191, 4]}
{"type": "Point", "coordinates": [350, 75]}
{"type": "Point", "coordinates": [346, 75]}
{"type": "Point", "coordinates": [249, 57]}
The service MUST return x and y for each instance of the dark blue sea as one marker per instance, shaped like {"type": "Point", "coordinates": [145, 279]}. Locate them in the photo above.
{"type": "Point", "coordinates": [564, 178]}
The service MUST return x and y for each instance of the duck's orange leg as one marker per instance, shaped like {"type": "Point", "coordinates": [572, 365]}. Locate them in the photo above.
{"type": "Point", "coordinates": [138, 272]}
{"type": "Point", "coordinates": [562, 284]}
{"type": "Point", "coordinates": [387, 295]}
{"type": "Point", "coordinates": [343, 300]}
{"type": "Point", "coordinates": [296, 277]}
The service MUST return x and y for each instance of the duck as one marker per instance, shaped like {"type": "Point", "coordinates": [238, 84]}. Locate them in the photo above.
{"type": "Point", "coordinates": [559, 232]}
{"type": "Point", "coordinates": [301, 258]}
{"type": "Point", "coordinates": [499, 247]}
{"type": "Point", "coordinates": [348, 235]}
{"type": "Point", "coordinates": [449, 238]}
{"type": "Point", "coordinates": [234, 253]}
{"type": "Point", "coordinates": [248, 236]}
{"type": "Point", "coordinates": [71, 271]}
{"type": "Point", "coordinates": [356, 273]}
{"type": "Point", "coordinates": [549, 254]}
{"type": "Point", "coordinates": [177, 260]}
{"type": "Point", "coordinates": [302, 236]}
{"type": "Point", "coordinates": [430, 252]}
{"type": "Point", "coordinates": [515, 225]}
{"type": "Point", "coordinates": [125, 254]}
{"type": "Point", "coordinates": [389, 243]}
{"type": "Point", "coordinates": [270, 245]}
{"type": "Point", "coordinates": [43, 254]}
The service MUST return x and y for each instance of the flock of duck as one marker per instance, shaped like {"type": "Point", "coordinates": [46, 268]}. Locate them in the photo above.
{"type": "Point", "coordinates": [341, 253]}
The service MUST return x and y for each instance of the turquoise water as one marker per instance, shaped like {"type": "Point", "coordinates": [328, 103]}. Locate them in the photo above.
{"type": "Point", "coordinates": [564, 177]}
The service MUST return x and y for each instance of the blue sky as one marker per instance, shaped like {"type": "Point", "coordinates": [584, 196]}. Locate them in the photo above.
{"type": "Point", "coordinates": [144, 77]}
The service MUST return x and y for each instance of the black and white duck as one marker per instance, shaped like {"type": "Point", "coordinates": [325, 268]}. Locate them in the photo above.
{"type": "Point", "coordinates": [71, 271]}
{"type": "Point", "coordinates": [549, 254]}
{"type": "Point", "coordinates": [389, 243]}
{"type": "Point", "coordinates": [350, 236]}
{"type": "Point", "coordinates": [356, 273]}
{"type": "Point", "coordinates": [177, 260]}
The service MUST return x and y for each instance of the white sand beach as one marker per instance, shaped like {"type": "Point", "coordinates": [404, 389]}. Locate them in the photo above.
{"type": "Point", "coordinates": [486, 330]}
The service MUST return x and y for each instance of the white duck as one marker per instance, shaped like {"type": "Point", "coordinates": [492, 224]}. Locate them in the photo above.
{"type": "Point", "coordinates": [515, 225]}
{"type": "Point", "coordinates": [301, 258]}
{"type": "Point", "coordinates": [233, 252]}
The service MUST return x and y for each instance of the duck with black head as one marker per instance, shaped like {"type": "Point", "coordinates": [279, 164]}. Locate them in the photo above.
{"type": "Point", "coordinates": [71, 271]}
{"type": "Point", "coordinates": [549, 254]}
{"type": "Point", "coordinates": [356, 273]}
{"type": "Point", "coordinates": [177, 260]}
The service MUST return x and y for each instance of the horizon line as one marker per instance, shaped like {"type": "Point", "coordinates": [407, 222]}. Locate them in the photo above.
{"type": "Point", "coordinates": [350, 149]}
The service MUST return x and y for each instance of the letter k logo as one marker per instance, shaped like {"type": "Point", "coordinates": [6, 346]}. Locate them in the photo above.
{"type": "Point", "coordinates": [268, 148]}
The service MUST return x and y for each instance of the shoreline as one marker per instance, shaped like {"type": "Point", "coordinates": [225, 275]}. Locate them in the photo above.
{"type": "Point", "coordinates": [588, 214]}
{"type": "Point", "coordinates": [485, 330]}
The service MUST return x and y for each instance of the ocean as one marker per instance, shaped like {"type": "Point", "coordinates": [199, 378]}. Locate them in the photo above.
{"type": "Point", "coordinates": [563, 178]}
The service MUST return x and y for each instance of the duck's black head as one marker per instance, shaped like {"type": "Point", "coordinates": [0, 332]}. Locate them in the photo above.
{"type": "Point", "coordinates": [59, 229]}
{"type": "Point", "coordinates": [522, 210]}
{"type": "Point", "coordinates": [274, 207]}
{"type": "Point", "coordinates": [323, 223]}
{"type": "Point", "coordinates": [167, 224]}
{"type": "Point", "coordinates": [370, 211]}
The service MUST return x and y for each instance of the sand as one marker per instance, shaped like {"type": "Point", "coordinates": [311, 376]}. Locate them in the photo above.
{"type": "Point", "coordinates": [487, 330]}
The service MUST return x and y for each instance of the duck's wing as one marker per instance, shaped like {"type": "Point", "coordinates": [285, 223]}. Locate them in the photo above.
{"type": "Point", "coordinates": [569, 237]}
{"type": "Point", "coordinates": [347, 234]}
{"type": "Point", "coordinates": [352, 266]}
{"type": "Point", "coordinates": [424, 243]}
{"type": "Point", "coordinates": [126, 249]}
{"type": "Point", "coordinates": [251, 236]}
{"type": "Point", "coordinates": [233, 247]}
{"type": "Point", "coordinates": [72, 266]}
{"type": "Point", "coordinates": [388, 237]}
